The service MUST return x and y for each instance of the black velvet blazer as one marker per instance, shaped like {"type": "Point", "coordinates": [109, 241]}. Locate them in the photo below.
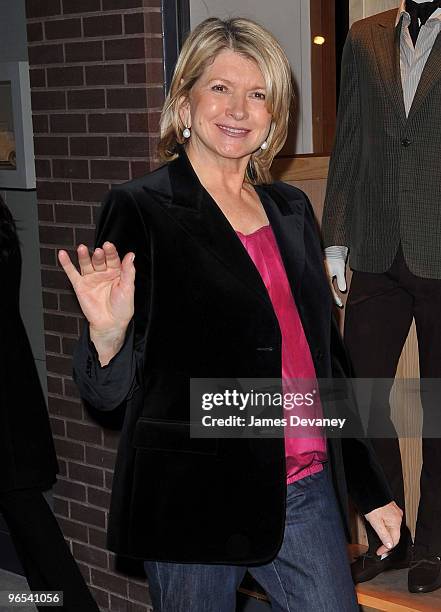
{"type": "Point", "coordinates": [202, 310]}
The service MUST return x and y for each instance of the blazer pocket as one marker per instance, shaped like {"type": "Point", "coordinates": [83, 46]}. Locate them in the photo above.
{"type": "Point", "coordinates": [174, 436]}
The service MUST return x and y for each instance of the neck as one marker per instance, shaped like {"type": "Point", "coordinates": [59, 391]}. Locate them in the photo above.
{"type": "Point", "coordinates": [216, 172]}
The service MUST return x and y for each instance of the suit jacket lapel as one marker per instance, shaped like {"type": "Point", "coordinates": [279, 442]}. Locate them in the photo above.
{"type": "Point", "coordinates": [431, 73]}
{"type": "Point", "coordinates": [386, 39]}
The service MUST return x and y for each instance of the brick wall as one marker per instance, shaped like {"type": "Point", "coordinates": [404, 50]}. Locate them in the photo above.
{"type": "Point", "coordinates": [97, 89]}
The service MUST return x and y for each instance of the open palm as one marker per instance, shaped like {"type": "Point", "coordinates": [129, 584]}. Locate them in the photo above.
{"type": "Point", "coordinates": [104, 286]}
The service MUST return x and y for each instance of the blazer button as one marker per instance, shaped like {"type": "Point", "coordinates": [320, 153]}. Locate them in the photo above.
{"type": "Point", "coordinates": [406, 142]}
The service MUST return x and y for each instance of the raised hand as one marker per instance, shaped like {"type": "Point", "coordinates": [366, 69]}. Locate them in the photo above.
{"type": "Point", "coordinates": [105, 289]}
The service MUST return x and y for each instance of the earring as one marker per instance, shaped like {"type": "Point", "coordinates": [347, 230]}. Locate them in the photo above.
{"type": "Point", "coordinates": [186, 133]}
{"type": "Point", "coordinates": [264, 145]}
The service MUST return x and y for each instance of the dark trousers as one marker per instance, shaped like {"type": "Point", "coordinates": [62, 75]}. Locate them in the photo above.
{"type": "Point", "coordinates": [42, 550]}
{"type": "Point", "coordinates": [379, 312]}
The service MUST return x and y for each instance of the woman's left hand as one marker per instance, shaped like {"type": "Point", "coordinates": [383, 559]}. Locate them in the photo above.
{"type": "Point", "coordinates": [387, 522]}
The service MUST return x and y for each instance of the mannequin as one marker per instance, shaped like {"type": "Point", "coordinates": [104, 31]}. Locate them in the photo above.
{"type": "Point", "coordinates": [382, 209]}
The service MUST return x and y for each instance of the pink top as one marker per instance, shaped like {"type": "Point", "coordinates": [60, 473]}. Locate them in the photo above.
{"type": "Point", "coordinates": [304, 456]}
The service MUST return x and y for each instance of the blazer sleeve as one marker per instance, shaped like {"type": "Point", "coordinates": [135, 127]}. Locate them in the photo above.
{"type": "Point", "coordinates": [108, 388]}
{"type": "Point", "coordinates": [344, 162]}
{"type": "Point", "coordinates": [366, 482]}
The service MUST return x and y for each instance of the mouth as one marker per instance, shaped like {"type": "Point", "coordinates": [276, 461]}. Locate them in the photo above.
{"type": "Point", "coordinates": [234, 132]}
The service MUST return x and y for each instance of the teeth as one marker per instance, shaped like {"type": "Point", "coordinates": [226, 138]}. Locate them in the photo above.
{"type": "Point", "coordinates": [233, 130]}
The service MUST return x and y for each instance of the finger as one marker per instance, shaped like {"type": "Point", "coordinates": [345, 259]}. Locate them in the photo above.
{"type": "Point", "coordinates": [341, 281]}
{"type": "Point", "coordinates": [384, 535]}
{"type": "Point", "coordinates": [337, 300]}
{"type": "Point", "coordinates": [111, 254]}
{"type": "Point", "coordinates": [99, 260]}
{"type": "Point", "coordinates": [84, 260]}
{"type": "Point", "coordinates": [382, 550]}
{"type": "Point", "coordinates": [395, 534]}
{"type": "Point", "coordinates": [67, 265]}
{"type": "Point", "coordinates": [128, 270]}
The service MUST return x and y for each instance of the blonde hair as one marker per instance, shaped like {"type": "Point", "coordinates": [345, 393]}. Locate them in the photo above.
{"type": "Point", "coordinates": [201, 47]}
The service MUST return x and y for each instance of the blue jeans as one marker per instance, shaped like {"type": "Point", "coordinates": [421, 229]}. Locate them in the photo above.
{"type": "Point", "coordinates": [309, 574]}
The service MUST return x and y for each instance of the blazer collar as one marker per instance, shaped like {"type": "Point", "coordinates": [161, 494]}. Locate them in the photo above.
{"type": "Point", "coordinates": [194, 209]}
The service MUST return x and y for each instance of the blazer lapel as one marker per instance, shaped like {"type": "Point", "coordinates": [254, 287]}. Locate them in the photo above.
{"type": "Point", "coordinates": [431, 74]}
{"type": "Point", "coordinates": [196, 211]}
{"type": "Point", "coordinates": [386, 38]}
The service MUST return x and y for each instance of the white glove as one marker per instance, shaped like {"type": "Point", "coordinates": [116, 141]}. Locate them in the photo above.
{"type": "Point", "coordinates": [335, 259]}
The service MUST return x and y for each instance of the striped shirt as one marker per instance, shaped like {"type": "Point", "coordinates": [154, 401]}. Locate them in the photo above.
{"type": "Point", "coordinates": [413, 59]}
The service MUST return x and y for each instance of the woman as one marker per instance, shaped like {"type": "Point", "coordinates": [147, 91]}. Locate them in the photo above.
{"type": "Point", "coordinates": [28, 464]}
{"type": "Point", "coordinates": [224, 258]}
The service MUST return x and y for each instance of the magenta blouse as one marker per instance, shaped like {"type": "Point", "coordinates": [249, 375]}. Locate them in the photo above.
{"type": "Point", "coordinates": [304, 456]}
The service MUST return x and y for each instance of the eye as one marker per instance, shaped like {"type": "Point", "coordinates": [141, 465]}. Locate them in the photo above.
{"type": "Point", "coordinates": [259, 95]}
{"type": "Point", "coordinates": [219, 87]}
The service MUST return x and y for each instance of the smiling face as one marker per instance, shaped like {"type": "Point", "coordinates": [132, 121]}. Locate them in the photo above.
{"type": "Point", "coordinates": [226, 109]}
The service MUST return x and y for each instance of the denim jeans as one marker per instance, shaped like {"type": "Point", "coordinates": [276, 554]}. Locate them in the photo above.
{"type": "Point", "coordinates": [309, 574]}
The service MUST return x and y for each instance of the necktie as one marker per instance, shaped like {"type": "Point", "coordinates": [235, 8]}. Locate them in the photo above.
{"type": "Point", "coordinates": [419, 14]}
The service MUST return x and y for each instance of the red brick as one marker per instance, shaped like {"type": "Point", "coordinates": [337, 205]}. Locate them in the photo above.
{"type": "Point", "coordinates": [85, 235]}
{"type": "Point", "coordinates": [107, 123]}
{"type": "Point", "coordinates": [62, 465]}
{"type": "Point", "coordinates": [69, 450]}
{"type": "Point", "coordinates": [89, 192]}
{"type": "Point", "coordinates": [86, 474]}
{"type": "Point", "coordinates": [62, 407]}
{"type": "Point", "coordinates": [63, 324]}
{"type": "Point", "coordinates": [109, 581]}
{"type": "Point", "coordinates": [40, 124]}
{"type": "Point", "coordinates": [80, 6]}
{"type": "Point", "coordinates": [85, 432]}
{"type": "Point", "coordinates": [101, 597]}
{"type": "Point", "coordinates": [90, 555]}
{"type": "Point", "coordinates": [45, 54]}
{"type": "Point", "coordinates": [37, 77]}
{"type": "Point", "coordinates": [108, 480]}
{"type": "Point", "coordinates": [134, 23]}
{"type": "Point", "coordinates": [109, 169]}
{"type": "Point", "coordinates": [153, 22]}
{"type": "Point", "coordinates": [52, 345]}
{"type": "Point", "coordinates": [111, 5]}
{"type": "Point", "coordinates": [153, 47]}
{"type": "Point", "coordinates": [72, 122]}
{"type": "Point", "coordinates": [50, 145]}
{"type": "Point", "coordinates": [62, 28]}
{"type": "Point", "coordinates": [48, 100]}
{"type": "Point", "coordinates": [155, 97]}
{"type": "Point", "coordinates": [61, 365]}
{"type": "Point", "coordinates": [102, 25]}
{"type": "Point", "coordinates": [85, 570]}
{"type": "Point", "coordinates": [61, 506]}
{"type": "Point", "coordinates": [70, 168]}
{"type": "Point", "coordinates": [98, 497]}
{"type": "Point", "coordinates": [68, 345]}
{"type": "Point", "coordinates": [139, 168]}
{"type": "Point", "coordinates": [50, 300]}
{"type": "Point", "coordinates": [139, 592]}
{"type": "Point", "coordinates": [45, 211]}
{"type": "Point", "coordinates": [88, 146]}
{"type": "Point", "coordinates": [34, 32]}
{"type": "Point", "coordinates": [97, 537]}
{"type": "Point", "coordinates": [152, 72]}
{"type": "Point", "coordinates": [112, 74]}
{"type": "Point", "coordinates": [124, 48]}
{"type": "Point", "coordinates": [100, 457]}
{"type": "Point", "coordinates": [48, 257]}
{"type": "Point", "coordinates": [138, 122]}
{"type": "Point", "coordinates": [70, 388]}
{"type": "Point", "coordinates": [129, 146]}
{"type": "Point", "coordinates": [53, 190]}
{"type": "Point", "coordinates": [42, 8]}
{"type": "Point", "coordinates": [69, 302]}
{"type": "Point", "coordinates": [52, 234]}
{"type": "Point", "coordinates": [65, 76]}
{"type": "Point", "coordinates": [73, 530]}
{"type": "Point", "coordinates": [70, 490]}
{"type": "Point", "coordinates": [43, 168]}
{"type": "Point", "coordinates": [111, 439]}
{"type": "Point", "coordinates": [88, 515]}
{"type": "Point", "coordinates": [84, 51]}
{"type": "Point", "coordinates": [127, 97]}
{"type": "Point", "coordinates": [88, 98]}
{"type": "Point", "coordinates": [73, 213]}
{"type": "Point", "coordinates": [58, 426]}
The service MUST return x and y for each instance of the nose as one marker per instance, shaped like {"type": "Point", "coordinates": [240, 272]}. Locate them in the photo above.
{"type": "Point", "coordinates": [237, 108]}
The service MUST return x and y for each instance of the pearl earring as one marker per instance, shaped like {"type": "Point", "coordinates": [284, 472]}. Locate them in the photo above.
{"type": "Point", "coordinates": [264, 145]}
{"type": "Point", "coordinates": [186, 133]}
